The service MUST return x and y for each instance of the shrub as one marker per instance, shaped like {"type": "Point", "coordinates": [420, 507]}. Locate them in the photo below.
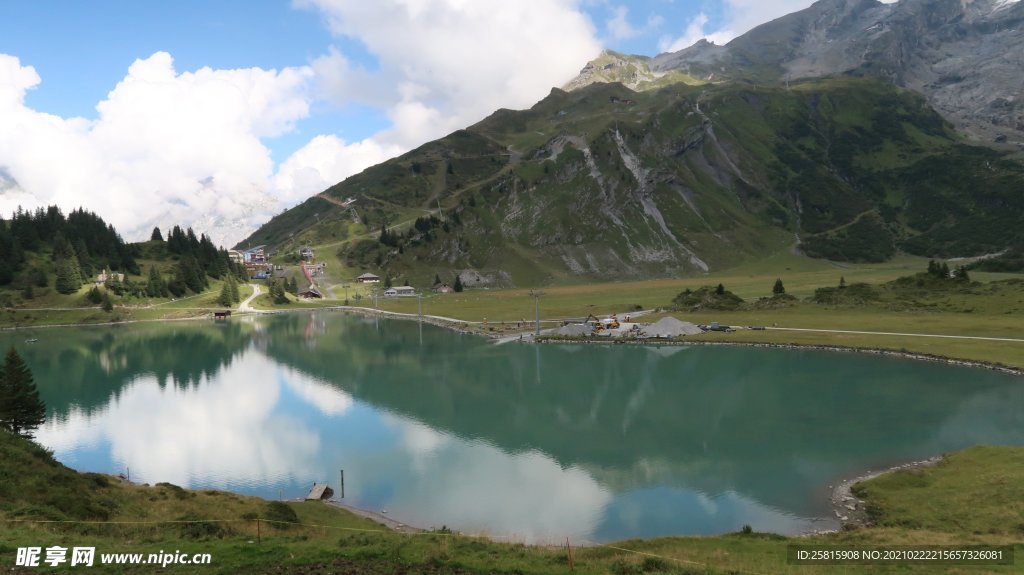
{"type": "Point", "coordinates": [192, 526]}
{"type": "Point", "coordinates": [280, 513]}
{"type": "Point", "coordinates": [654, 564]}
{"type": "Point", "coordinates": [707, 297]}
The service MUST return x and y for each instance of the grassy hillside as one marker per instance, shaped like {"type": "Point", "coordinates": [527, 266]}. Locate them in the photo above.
{"type": "Point", "coordinates": [57, 270]}
{"type": "Point", "coordinates": [606, 183]}
{"type": "Point", "coordinates": [245, 534]}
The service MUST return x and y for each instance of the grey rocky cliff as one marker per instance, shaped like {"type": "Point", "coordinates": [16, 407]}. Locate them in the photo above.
{"type": "Point", "coordinates": [965, 56]}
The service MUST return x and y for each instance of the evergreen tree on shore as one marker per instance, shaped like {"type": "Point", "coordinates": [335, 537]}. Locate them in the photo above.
{"type": "Point", "coordinates": [233, 288]}
{"type": "Point", "coordinates": [224, 298]}
{"type": "Point", "coordinates": [21, 410]}
{"type": "Point", "coordinates": [277, 293]}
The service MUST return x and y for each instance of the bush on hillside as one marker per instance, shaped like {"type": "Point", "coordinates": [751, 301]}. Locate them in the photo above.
{"type": "Point", "coordinates": [280, 513]}
{"type": "Point", "coordinates": [707, 297]}
{"type": "Point", "coordinates": [852, 294]}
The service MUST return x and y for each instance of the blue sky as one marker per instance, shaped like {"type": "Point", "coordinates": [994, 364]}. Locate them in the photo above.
{"type": "Point", "coordinates": [217, 114]}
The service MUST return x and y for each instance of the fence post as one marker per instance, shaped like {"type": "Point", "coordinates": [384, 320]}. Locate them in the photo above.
{"type": "Point", "coordinates": [568, 552]}
{"type": "Point", "coordinates": [258, 540]}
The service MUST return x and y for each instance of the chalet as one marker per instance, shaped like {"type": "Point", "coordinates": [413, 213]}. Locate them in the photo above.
{"type": "Point", "coordinates": [400, 291]}
{"type": "Point", "coordinates": [442, 288]}
{"type": "Point", "coordinates": [368, 278]}
{"type": "Point", "coordinates": [236, 256]}
{"type": "Point", "coordinates": [107, 275]}
{"type": "Point", "coordinates": [310, 293]}
{"type": "Point", "coordinates": [226, 314]}
{"type": "Point", "coordinates": [306, 253]}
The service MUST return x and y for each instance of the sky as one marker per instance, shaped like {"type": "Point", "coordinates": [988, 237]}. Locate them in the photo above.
{"type": "Point", "coordinates": [219, 115]}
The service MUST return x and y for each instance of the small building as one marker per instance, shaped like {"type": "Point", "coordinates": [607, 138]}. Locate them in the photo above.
{"type": "Point", "coordinates": [310, 293]}
{"type": "Point", "coordinates": [256, 255]}
{"type": "Point", "coordinates": [225, 314]}
{"type": "Point", "coordinates": [442, 288]}
{"type": "Point", "coordinates": [236, 256]}
{"type": "Point", "coordinates": [107, 275]}
{"type": "Point", "coordinates": [319, 492]}
{"type": "Point", "coordinates": [368, 278]}
{"type": "Point", "coordinates": [306, 253]}
{"type": "Point", "coordinates": [400, 291]}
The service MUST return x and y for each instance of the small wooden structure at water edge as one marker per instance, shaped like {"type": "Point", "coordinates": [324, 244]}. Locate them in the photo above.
{"type": "Point", "coordinates": [320, 491]}
{"type": "Point", "coordinates": [226, 314]}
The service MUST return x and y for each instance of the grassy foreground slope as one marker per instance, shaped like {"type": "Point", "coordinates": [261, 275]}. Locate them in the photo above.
{"type": "Point", "coordinates": [972, 497]}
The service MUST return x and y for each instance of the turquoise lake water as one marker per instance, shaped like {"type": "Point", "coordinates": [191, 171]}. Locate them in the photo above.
{"type": "Point", "coordinates": [528, 442]}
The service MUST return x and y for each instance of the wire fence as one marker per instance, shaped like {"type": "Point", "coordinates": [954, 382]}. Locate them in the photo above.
{"type": "Point", "coordinates": [261, 528]}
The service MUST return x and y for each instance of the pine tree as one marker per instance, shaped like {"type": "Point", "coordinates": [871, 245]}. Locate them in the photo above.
{"type": "Point", "coordinates": [437, 279]}
{"type": "Point", "coordinates": [108, 306]}
{"type": "Point", "coordinates": [224, 298]}
{"type": "Point", "coordinates": [68, 277]}
{"type": "Point", "coordinates": [156, 287]}
{"type": "Point", "coordinates": [156, 236]}
{"type": "Point", "coordinates": [293, 286]}
{"type": "Point", "coordinates": [191, 274]}
{"type": "Point", "coordinates": [94, 295]}
{"type": "Point", "coordinates": [720, 290]}
{"type": "Point", "coordinates": [458, 284]}
{"type": "Point", "coordinates": [21, 410]}
{"type": "Point", "coordinates": [778, 288]}
{"type": "Point", "coordinates": [233, 289]}
{"type": "Point", "coordinates": [82, 256]}
{"type": "Point", "coordinates": [842, 282]}
{"type": "Point", "coordinates": [277, 293]}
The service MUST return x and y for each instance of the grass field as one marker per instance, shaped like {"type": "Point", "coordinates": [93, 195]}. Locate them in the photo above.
{"type": "Point", "coordinates": [991, 310]}
{"type": "Point", "coordinates": [45, 504]}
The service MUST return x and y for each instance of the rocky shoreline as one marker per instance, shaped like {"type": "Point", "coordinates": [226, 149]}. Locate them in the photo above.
{"type": "Point", "coordinates": [849, 509]}
{"type": "Point", "coordinates": [838, 348]}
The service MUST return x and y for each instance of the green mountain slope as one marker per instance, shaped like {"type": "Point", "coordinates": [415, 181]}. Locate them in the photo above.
{"type": "Point", "coordinates": [606, 183]}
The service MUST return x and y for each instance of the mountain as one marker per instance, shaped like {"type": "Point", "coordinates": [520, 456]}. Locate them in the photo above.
{"type": "Point", "coordinates": [965, 56]}
{"type": "Point", "coordinates": [608, 183]}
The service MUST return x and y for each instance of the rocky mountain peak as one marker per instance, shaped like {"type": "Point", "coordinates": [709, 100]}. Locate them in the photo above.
{"type": "Point", "coordinates": [965, 56]}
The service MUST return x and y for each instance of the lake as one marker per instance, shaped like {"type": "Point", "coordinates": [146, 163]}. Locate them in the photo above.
{"type": "Point", "coordinates": [530, 442]}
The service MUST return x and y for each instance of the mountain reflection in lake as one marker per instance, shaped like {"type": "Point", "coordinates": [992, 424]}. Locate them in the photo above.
{"type": "Point", "coordinates": [529, 442]}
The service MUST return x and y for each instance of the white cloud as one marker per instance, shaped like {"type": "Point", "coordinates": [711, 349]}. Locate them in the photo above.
{"type": "Point", "coordinates": [170, 147]}
{"type": "Point", "coordinates": [228, 426]}
{"type": "Point", "coordinates": [740, 16]}
{"type": "Point", "coordinates": [166, 147]}
{"type": "Point", "coordinates": [695, 31]}
{"type": "Point", "coordinates": [620, 28]}
{"type": "Point", "coordinates": [444, 64]}
{"type": "Point", "coordinates": [325, 161]}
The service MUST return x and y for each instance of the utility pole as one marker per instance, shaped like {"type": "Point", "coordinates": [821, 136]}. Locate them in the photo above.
{"type": "Point", "coordinates": [536, 309]}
